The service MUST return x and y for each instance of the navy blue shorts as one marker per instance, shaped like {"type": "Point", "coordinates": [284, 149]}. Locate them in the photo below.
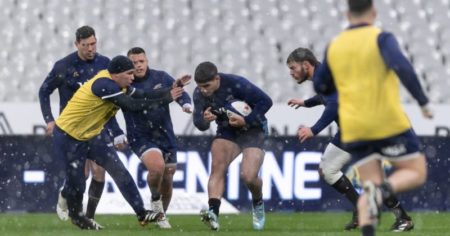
{"type": "Point", "coordinates": [142, 144]}
{"type": "Point", "coordinates": [245, 138]}
{"type": "Point", "coordinates": [99, 149]}
{"type": "Point", "coordinates": [393, 148]}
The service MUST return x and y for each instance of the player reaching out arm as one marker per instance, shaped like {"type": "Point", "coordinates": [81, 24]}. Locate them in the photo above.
{"type": "Point", "coordinates": [373, 124]}
{"type": "Point", "coordinates": [67, 75]}
{"type": "Point", "coordinates": [151, 132]}
{"type": "Point", "coordinates": [303, 66]}
{"type": "Point", "coordinates": [82, 122]}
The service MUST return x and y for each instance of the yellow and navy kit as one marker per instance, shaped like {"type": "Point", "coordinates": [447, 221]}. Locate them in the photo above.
{"type": "Point", "coordinates": [87, 112]}
{"type": "Point", "coordinates": [364, 64]}
{"type": "Point", "coordinates": [66, 75]}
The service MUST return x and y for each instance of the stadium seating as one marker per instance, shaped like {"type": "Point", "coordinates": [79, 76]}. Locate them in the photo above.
{"type": "Point", "coordinates": [248, 37]}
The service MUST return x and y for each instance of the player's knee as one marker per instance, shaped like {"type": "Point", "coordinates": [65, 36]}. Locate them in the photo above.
{"type": "Point", "coordinates": [98, 174]}
{"type": "Point", "coordinates": [170, 170]}
{"type": "Point", "coordinates": [422, 176]}
{"type": "Point", "coordinates": [156, 174]}
{"type": "Point", "coordinates": [247, 178]}
{"type": "Point", "coordinates": [321, 172]}
{"type": "Point", "coordinates": [330, 174]}
{"type": "Point", "coordinates": [420, 168]}
{"type": "Point", "coordinates": [168, 174]}
{"type": "Point", "coordinates": [155, 166]}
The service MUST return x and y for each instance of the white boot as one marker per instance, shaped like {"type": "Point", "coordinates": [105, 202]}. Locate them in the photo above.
{"type": "Point", "coordinates": [163, 223]}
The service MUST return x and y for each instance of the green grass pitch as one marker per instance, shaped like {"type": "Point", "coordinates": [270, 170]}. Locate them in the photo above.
{"type": "Point", "coordinates": [277, 224]}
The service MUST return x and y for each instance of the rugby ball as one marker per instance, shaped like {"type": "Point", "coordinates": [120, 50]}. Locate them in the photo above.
{"type": "Point", "coordinates": [238, 107]}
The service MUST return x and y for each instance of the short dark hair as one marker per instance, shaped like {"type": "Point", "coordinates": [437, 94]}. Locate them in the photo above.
{"type": "Point", "coordinates": [84, 32]}
{"type": "Point", "coordinates": [135, 50]}
{"type": "Point", "coordinates": [302, 54]}
{"type": "Point", "coordinates": [120, 64]}
{"type": "Point", "coordinates": [359, 7]}
{"type": "Point", "coordinates": [205, 72]}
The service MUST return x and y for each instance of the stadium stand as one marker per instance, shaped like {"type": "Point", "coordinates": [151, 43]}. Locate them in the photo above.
{"type": "Point", "coordinates": [248, 37]}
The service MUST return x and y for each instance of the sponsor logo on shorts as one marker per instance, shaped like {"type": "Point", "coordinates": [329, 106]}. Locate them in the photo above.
{"type": "Point", "coordinates": [394, 150]}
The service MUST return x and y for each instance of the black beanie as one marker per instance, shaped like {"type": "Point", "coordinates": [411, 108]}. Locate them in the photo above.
{"type": "Point", "coordinates": [120, 64]}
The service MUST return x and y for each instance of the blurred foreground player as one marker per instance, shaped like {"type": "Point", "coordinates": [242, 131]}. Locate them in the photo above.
{"type": "Point", "coordinates": [363, 64]}
{"type": "Point", "coordinates": [302, 64]}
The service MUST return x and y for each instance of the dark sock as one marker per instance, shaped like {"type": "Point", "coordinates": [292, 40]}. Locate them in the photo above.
{"type": "Point", "coordinates": [393, 204]}
{"type": "Point", "coordinates": [344, 186]}
{"type": "Point", "coordinates": [95, 193]}
{"type": "Point", "coordinates": [391, 201]}
{"type": "Point", "coordinates": [74, 202]}
{"type": "Point", "coordinates": [257, 201]}
{"type": "Point", "coordinates": [386, 191]}
{"type": "Point", "coordinates": [400, 213]}
{"type": "Point", "coordinates": [214, 205]}
{"type": "Point", "coordinates": [355, 215]}
{"type": "Point", "coordinates": [368, 230]}
{"type": "Point", "coordinates": [156, 196]}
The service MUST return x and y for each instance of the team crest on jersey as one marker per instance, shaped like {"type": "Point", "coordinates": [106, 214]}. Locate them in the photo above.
{"type": "Point", "coordinates": [158, 86]}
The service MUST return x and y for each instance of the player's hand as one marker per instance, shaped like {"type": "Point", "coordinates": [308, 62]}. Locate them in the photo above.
{"type": "Point", "coordinates": [304, 133]}
{"type": "Point", "coordinates": [187, 108]}
{"type": "Point", "coordinates": [236, 120]}
{"type": "Point", "coordinates": [182, 81]}
{"type": "Point", "coordinates": [427, 112]}
{"type": "Point", "coordinates": [296, 102]}
{"type": "Point", "coordinates": [176, 92]}
{"type": "Point", "coordinates": [208, 115]}
{"type": "Point", "coordinates": [50, 128]}
{"type": "Point", "coordinates": [120, 142]}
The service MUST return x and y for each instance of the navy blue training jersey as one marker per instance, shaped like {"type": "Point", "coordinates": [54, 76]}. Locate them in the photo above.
{"type": "Point", "coordinates": [330, 113]}
{"type": "Point", "coordinates": [232, 87]}
{"type": "Point", "coordinates": [157, 122]}
{"type": "Point", "coordinates": [67, 76]}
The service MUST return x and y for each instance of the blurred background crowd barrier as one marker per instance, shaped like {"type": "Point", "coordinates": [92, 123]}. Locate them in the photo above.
{"type": "Point", "coordinates": [30, 178]}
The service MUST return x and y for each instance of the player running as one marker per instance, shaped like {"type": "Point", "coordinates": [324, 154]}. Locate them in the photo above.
{"type": "Point", "coordinates": [67, 75]}
{"type": "Point", "coordinates": [364, 65]}
{"type": "Point", "coordinates": [235, 135]}
{"type": "Point", "coordinates": [81, 123]}
{"type": "Point", "coordinates": [302, 64]}
{"type": "Point", "coordinates": [151, 133]}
